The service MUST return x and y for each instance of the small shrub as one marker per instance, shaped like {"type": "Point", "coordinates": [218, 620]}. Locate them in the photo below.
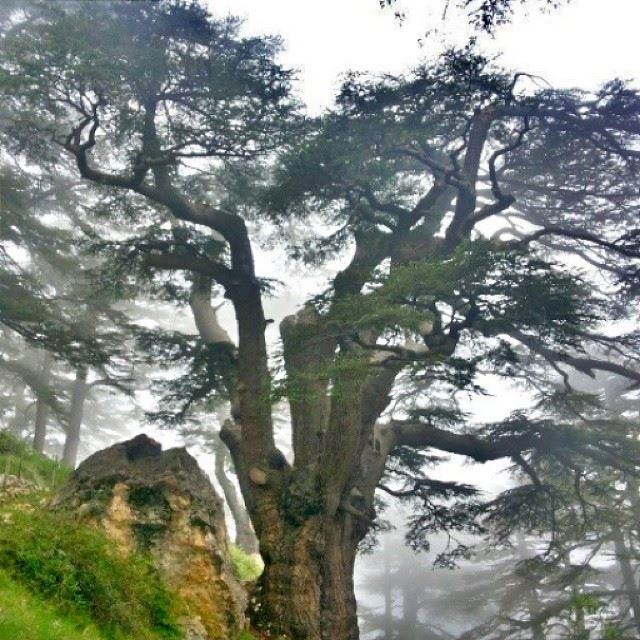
{"type": "Point", "coordinates": [245, 567]}
{"type": "Point", "coordinates": [78, 571]}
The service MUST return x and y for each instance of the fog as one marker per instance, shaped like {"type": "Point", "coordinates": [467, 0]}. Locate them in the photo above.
{"type": "Point", "coordinates": [466, 582]}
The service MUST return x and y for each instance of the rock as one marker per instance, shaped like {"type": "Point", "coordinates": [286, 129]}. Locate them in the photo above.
{"type": "Point", "coordinates": [161, 502]}
{"type": "Point", "coordinates": [12, 487]}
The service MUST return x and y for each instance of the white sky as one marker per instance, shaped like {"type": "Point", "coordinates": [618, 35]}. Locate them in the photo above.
{"type": "Point", "coordinates": [582, 44]}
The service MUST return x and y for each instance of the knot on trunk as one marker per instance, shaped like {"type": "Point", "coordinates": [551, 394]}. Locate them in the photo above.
{"type": "Point", "coordinates": [301, 498]}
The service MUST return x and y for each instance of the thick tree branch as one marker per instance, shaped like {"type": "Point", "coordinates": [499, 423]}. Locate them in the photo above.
{"type": "Point", "coordinates": [585, 365]}
{"type": "Point", "coordinates": [389, 208]}
{"type": "Point", "coordinates": [424, 435]}
{"type": "Point", "coordinates": [578, 234]}
{"type": "Point", "coordinates": [503, 200]}
{"type": "Point", "coordinates": [196, 264]}
{"type": "Point", "coordinates": [466, 201]}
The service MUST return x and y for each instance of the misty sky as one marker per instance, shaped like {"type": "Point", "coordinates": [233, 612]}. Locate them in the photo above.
{"type": "Point", "coordinates": [582, 44]}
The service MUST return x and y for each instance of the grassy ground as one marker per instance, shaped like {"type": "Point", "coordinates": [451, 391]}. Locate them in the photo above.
{"type": "Point", "coordinates": [61, 579]}
{"type": "Point", "coordinates": [77, 570]}
{"type": "Point", "coordinates": [18, 458]}
{"type": "Point", "coordinates": [25, 616]}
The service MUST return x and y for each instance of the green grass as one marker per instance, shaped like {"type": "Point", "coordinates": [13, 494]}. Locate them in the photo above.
{"type": "Point", "coordinates": [77, 571]}
{"type": "Point", "coordinates": [63, 580]}
{"type": "Point", "coordinates": [245, 567]}
{"type": "Point", "coordinates": [19, 458]}
{"type": "Point", "coordinates": [24, 616]}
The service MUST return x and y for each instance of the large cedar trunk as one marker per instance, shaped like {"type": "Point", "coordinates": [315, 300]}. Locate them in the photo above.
{"type": "Point", "coordinates": [306, 590]}
{"type": "Point", "coordinates": [309, 515]}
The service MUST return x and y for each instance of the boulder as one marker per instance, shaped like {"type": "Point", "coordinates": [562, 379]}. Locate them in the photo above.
{"type": "Point", "coordinates": [162, 503]}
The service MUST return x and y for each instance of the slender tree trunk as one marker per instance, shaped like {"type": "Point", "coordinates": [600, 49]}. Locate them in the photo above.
{"type": "Point", "coordinates": [19, 407]}
{"type": "Point", "coordinates": [531, 596]}
{"type": "Point", "coordinates": [533, 605]}
{"type": "Point", "coordinates": [628, 577]}
{"type": "Point", "coordinates": [72, 441]}
{"type": "Point", "coordinates": [42, 407]}
{"type": "Point", "coordinates": [410, 594]}
{"type": "Point", "coordinates": [245, 536]}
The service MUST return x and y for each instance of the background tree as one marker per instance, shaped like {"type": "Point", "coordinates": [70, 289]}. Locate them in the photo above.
{"type": "Point", "coordinates": [575, 572]}
{"type": "Point", "coordinates": [53, 316]}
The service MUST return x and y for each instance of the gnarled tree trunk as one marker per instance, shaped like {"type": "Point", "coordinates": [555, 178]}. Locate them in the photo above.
{"type": "Point", "coordinates": [309, 520]}
{"type": "Point", "coordinates": [307, 586]}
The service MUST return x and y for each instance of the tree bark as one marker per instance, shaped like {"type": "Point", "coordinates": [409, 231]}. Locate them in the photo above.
{"type": "Point", "coordinates": [309, 546]}
{"type": "Point", "coordinates": [42, 407]}
{"type": "Point", "coordinates": [307, 586]}
{"type": "Point", "coordinates": [310, 518]}
{"type": "Point", "coordinates": [72, 441]}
